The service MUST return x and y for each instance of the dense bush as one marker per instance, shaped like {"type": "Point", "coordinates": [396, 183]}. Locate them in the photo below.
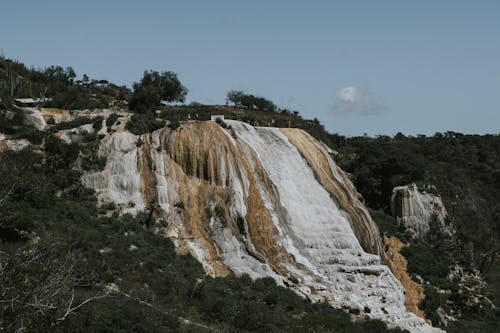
{"type": "Point", "coordinates": [174, 124]}
{"type": "Point", "coordinates": [110, 121]}
{"type": "Point", "coordinates": [144, 123]}
{"type": "Point", "coordinates": [431, 263]}
{"type": "Point", "coordinates": [387, 223]}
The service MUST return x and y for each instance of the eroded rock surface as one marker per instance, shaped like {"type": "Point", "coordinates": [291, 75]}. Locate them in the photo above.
{"type": "Point", "coordinates": [416, 210]}
{"type": "Point", "coordinates": [260, 201]}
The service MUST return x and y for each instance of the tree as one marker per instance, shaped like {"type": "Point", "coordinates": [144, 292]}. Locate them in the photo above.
{"type": "Point", "coordinates": [249, 101]}
{"type": "Point", "coordinates": [235, 96]}
{"type": "Point", "coordinates": [155, 88]}
{"type": "Point", "coordinates": [57, 73]}
{"type": "Point", "coordinates": [264, 104]}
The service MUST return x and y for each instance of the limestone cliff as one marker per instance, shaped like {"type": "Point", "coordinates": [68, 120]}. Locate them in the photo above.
{"type": "Point", "coordinates": [260, 201]}
{"type": "Point", "coordinates": [417, 210]}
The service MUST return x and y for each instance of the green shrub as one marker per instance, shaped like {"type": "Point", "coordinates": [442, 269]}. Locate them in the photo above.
{"type": "Point", "coordinates": [110, 121]}
{"type": "Point", "coordinates": [59, 154]}
{"type": "Point", "coordinates": [432, 264]}
{"type": "Point", "coordinates": [77, 122]}
{"type": "Point", "coordinates": [174, 124]}
{"type": "Point", "coordinates": [432, 301]}
{"type": "Point", "coordinates": [387, 224]}
{"type": "Point", "coordinates": [144, 123]}
{"type": "Point", "coordinates": [179, 204]}
{"type": "Point", "coordinates": [97, 123]}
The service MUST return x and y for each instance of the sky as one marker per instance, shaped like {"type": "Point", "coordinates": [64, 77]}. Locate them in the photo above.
{"type": "Point", "coordinates": [360, 67]}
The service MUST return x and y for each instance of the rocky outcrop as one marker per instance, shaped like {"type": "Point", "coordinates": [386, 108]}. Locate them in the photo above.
{"type": "Point", "coordinates": [417, 210]}
{"type": "Point", "coordinates": [259, 201]}
{"type": "Point", "coordinates": [39, 118]}
{"type": "Point", "coordinates": [15, 144]}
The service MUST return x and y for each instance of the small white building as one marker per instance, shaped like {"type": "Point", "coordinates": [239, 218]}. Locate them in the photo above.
{"type": "Point", "coordinates": [216, 116]}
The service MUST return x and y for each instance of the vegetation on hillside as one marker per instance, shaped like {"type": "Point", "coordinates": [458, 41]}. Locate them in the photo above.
{"type": "Point", "coordinates": [465, 170]}
{"type": "Point", "coordinates": [141, 123]}
{"type": "Point", "coordinates": [58, 84]}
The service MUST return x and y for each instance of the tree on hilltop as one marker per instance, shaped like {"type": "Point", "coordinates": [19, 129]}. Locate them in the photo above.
{"type": "Point", "coordinates": [240, 99]}
{"type": "Point", "coordinates": [235, 96]}
{"type": "Point", "coordinates": [155, 88]}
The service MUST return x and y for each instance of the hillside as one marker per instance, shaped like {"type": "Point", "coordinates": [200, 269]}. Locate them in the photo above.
{"type": "Point", "coordinates": [59, 85]}
{"type": "Point", "coordinates": [465, 171]}
{"type": "Point", "coordinates": [85, 211]}
{"type": "Point", "coordinates": [84, 267]}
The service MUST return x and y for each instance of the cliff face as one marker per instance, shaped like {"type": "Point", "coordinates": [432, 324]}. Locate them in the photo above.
{"type": "Point", "coordinates": [417, 210]}
{"type": "Point", "coordinates": [260, 201]}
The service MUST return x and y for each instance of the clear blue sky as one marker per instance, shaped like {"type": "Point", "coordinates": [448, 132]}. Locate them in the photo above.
{"type": "Point", "coordinates": [376, 67]}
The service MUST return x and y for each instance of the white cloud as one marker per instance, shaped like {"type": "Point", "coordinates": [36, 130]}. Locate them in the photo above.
{"type": "Point", "coordinates": [361, 101]}
{"type": "Point", "coordinates": [348, 94]}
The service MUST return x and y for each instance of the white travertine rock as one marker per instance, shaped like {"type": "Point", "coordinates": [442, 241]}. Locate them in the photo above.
{"type": "Point", "coordinates": [76, 134]}
{"type": "Point", "coordinates": [16, 144]}
{"type": "Point", "coordinates": [245, 200]}
{"type": "Point", "coordinates": [33, 117]}
{"type": "Point", "coordinates": [416, 210]}
{"type": "Point", "coordinates": [120, 181]}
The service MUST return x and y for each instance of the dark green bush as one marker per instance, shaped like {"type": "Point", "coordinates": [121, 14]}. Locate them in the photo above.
{"type": "Point", "coordinates": [144, 123]}
{"type": "Point", "coordinates": [110, 121]}
{"type": "Point", "coordinates": [97, 123]}
{"type": "Point", "coordinates": [432, 264]}
{"type": "Point", "coordinates": [174, 124]}
{"type": "Point", "coordinates": [77, 122]}
{"type": "Point", "coordinates": [179, 204]}
{"type": "Point", "coordinates": [387, 224]}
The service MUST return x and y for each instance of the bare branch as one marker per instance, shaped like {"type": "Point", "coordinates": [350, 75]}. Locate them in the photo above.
{"type": "Point", "coordinates": [73, 309]}
{"type": "Point", "coordinates": [6, 196]}
{"type": "Point", "coordinates": [181, 319]}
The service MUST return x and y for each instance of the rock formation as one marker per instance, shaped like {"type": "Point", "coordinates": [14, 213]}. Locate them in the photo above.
{"type": "Point", "coordinates": [416, 210]}
{"type": "Point", "coordinates": [257, 201]}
